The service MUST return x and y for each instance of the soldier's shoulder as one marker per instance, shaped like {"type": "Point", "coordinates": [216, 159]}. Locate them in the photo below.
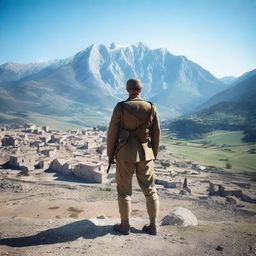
{"type": "Point", "coordinates": [118, 107]}
{"type": "Point", "coordinates": [151, 103]}
{"type": "Point", "coordinates": [119, 103]}
{"type": "Point", "coordinates": [153, 106]}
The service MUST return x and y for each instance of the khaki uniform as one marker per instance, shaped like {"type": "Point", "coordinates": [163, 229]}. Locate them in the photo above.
{"type": "Point", "coordinates": [134, 155]}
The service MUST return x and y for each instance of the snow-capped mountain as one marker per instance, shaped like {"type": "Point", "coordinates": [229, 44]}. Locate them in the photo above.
{"type": "Point", "coordinates": [95, 78]}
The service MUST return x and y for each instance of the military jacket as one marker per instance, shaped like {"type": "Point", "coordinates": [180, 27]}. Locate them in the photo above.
{"type": "Point", "coordinates": [133, 113]}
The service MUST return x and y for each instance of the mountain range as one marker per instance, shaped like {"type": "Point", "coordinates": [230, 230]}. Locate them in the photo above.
{"type": "Point", "coordinates": [82, 89]}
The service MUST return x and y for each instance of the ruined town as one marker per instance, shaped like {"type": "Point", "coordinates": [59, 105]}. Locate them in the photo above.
{"type": "Point", "coordinates": [81, 153]}
{"type": "Point", "coordinates": [61, 175]}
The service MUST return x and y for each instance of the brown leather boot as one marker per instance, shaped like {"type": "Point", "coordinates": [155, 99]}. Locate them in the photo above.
{"type": "Point", "coordinates": [150, 229]}
{"type": "Point", "coordinates": [122, 228]}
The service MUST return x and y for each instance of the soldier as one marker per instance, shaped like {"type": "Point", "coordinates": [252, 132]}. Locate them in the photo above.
{"type": "Point", "coordinates": [133, 140]}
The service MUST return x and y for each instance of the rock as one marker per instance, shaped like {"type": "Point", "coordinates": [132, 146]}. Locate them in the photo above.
{"type": "Point", "coordinates": [232, 199]}
{"type": "Point", "coordinates": [103, 217]}
{"type": "Point", "coordinates": [162, 148]}
{"type": "Point", "coordinates": [185, 192]}
{"type": "Point", "coordinates": [194, 173]}
{"type": "Point", "coordinates": [219, 248]}
{"type": "Point", "coordinates": [180, 216]}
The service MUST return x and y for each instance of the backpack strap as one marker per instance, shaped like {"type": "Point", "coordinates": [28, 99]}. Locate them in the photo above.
{"type": "Point", "coordinates": [122, 114]}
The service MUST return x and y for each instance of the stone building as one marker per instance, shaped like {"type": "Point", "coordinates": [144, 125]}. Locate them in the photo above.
{"type": "Point", "coordinates": [22, 160]}
{"type": "Point", "coordinates": [92, 172]}
{"type": "Point", "coordinates": [45, 128]}
{"type": "Point", "coordinates": [61, 166]}
{"type": "Point", "coordinates": [45, 138]}
{"type": "Point", "coordinates": [36, 143]}
{"type": "Point", "coordinates": [29, 126]}
{"type": "Point", "coordinates": [214, 187]}
{"type": "Point", "coordinates": [9, 141]}
{"type": "Point", "coordinates": [57, 139]}
{"type": "Point", "coordinates": [50, 152]}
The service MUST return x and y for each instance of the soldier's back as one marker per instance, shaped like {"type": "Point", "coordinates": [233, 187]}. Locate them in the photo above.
{"type": "Point", "coordinates": [135, 113]}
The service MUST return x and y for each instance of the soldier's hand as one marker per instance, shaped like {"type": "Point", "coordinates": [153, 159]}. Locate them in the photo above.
{"type": "Point", "coordinates": [111, 161]}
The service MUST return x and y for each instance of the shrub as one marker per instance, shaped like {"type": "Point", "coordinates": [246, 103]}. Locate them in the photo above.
{"type": "Point", "coordinates": [228, 165]}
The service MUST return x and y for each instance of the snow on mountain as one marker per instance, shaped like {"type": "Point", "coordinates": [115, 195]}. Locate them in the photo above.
{"type": "Point", "coordinates": [165, 76]}
{"type": "Point", "coordinates": [96, 77]}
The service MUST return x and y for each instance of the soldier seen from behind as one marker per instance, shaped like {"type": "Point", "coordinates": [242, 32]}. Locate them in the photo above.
{"type": "Point", "coordinates": [133, 140]}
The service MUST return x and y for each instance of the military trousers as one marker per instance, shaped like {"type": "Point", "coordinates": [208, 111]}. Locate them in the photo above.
{"type": "Point", "coordinates": [144, 171]}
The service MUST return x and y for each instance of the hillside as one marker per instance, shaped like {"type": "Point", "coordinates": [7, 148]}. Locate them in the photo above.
{"type": "Point", "coordinates": [243, 88]}
{"type": "Point", "coordinates": [232, 109]}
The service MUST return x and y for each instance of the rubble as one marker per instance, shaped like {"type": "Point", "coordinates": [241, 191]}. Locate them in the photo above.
{"type": "Point", "coordinates": [11, 187]}
{"type": "Point", "coordinates": [229, 191]}
{"type": "Point", "coordinates": [165, 183]}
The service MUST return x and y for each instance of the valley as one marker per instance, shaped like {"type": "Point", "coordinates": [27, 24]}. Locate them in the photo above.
{"type": "Point", "coordinates": [217, 148]}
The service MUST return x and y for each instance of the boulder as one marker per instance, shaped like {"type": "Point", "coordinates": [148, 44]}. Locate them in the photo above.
{"type": "Point", "coordinates": [232, 199]}
{"type": "Point", "coordinates": [180, 216]}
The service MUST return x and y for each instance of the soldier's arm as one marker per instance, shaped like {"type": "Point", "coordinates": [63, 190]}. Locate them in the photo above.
{"type": "Point", "coordinates": [113, 131]}
{"type": "Point", "coordinates": [155, 132]}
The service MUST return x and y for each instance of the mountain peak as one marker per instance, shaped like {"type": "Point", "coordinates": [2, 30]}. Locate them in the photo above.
{"type": "Point", "coordinates": [115, 46]}
{"type": "Point", "coordinates": [140, 45]}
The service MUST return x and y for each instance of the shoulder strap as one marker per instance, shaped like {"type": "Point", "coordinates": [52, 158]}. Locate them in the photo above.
{"type": "Point", "coordinates": [122, 114]}
{"type": "Point", "coordinates": [151, 117]}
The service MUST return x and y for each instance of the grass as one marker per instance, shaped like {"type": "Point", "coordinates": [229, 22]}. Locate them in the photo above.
{"type": "Point", "coordinates": [216, 149]}
{"type": "Point", "coordinates": [225, 137]}
{"type": "Point", "coordinates": [54, 121]}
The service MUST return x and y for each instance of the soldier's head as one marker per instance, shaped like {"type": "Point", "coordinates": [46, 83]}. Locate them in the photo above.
{"type": "Point", "coordinates": [134, 86]}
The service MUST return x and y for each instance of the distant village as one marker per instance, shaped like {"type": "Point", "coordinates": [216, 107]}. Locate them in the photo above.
{"type": "Point", "coordinates": [83, 153]}
{"type": "Point", "coordinates": [79, 152]}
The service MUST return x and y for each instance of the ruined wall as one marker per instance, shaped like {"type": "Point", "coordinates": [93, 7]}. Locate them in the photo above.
{"type": "Point", "coordinates": [90, 173]}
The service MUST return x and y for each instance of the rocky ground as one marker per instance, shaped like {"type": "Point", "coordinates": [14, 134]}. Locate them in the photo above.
{"type": "Point", "coordinates": [49, 214]}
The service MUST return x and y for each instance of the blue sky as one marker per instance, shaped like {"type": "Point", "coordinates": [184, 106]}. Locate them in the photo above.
{"type": "Point", "coordinates": [219, 35]}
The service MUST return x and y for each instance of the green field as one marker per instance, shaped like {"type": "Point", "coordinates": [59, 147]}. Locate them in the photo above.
{"type": "Point", "coordinates": [75, 121]}
{"type": "Point", "coordinates": [218, 149]}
